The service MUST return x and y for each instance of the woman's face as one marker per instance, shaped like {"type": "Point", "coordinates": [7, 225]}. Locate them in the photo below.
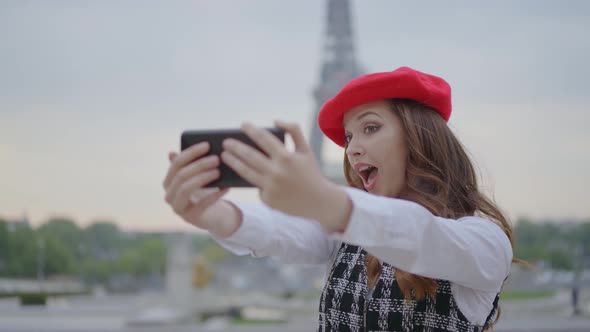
{"type": "Point", "coordinates": [376, 147]}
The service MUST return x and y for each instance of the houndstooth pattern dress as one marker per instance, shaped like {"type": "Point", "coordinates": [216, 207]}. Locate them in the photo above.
{"type": "Point", "coordinates": [344, 306]}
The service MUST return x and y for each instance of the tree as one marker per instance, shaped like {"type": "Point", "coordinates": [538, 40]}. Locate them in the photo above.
{"type": "Point", "coordinates": [58, 260]}
{"type": "Point", "coordinates": [557, 244]}
{"type": "Point", "coordinates": [102, 240]}
{"type": "Point", "coordinates": [64, 230]}
{"type": "Point", "coordinates": [144, 258]}
{"type": "Point", "coordinates": [22, 254]}
{"type": "Point", "coordinates": [4, 246]}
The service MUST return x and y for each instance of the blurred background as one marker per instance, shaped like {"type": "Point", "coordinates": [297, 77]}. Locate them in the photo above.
{"type": "Point", "coordinates": [94, 94]}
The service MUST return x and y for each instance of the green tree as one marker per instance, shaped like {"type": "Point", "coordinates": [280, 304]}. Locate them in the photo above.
{"type": "Point", "coordinates": [58, 260]}
{"type": "Point", "coordinates": [64, 230]}
{"type": "Point", "coordinates": [559, 245]}
{"type": "Point", "coordinates": [103, 240]}
{"type": "Point", "coordinates": [22, 253]}
{"type": "Point", "coordinates": [4, 246]}
{"type": "Point", "coordinates": [147, 256]}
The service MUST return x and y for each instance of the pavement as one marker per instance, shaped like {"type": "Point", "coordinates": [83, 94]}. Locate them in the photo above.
{"type": "Point", "coordinates": [129, 313]}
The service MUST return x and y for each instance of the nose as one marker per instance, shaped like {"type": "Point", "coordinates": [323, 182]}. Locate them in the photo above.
{"type": "Point", "coordinates": [354, 148]}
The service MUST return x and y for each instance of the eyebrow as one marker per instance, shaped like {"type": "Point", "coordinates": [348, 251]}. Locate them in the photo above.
{"type": "Point", "coordinates": [362, 115]}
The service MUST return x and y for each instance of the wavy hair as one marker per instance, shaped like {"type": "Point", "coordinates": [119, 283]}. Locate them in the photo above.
{"type": "Point", "coordinates": [439, 176]}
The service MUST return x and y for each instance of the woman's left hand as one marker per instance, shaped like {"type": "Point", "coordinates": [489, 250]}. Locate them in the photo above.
{"type": "Point", "coordinates": [288, 181]}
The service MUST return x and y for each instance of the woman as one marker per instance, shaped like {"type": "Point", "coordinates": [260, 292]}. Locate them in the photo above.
{"type": "Point", "coordinates": [412, 244]}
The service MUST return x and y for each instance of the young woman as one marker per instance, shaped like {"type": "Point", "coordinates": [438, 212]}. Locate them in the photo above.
{"type": "Point", "coordinates": [411, 243]}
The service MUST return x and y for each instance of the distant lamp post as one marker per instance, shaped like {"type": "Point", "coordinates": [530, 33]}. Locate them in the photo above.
{"type": "Point", "coordinates": [40, 262]}
{"type": "Point", "coordinates": [578, 266]}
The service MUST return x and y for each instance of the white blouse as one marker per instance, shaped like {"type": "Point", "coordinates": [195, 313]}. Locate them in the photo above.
{"type": "Point", "coordinates": [473, 253]}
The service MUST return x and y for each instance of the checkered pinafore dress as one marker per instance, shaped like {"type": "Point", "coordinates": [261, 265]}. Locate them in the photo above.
{"type": "Point", "coordinates": [343, 305]}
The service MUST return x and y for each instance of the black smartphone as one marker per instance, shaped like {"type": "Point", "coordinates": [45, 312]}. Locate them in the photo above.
{"type": "Point", "coordinates": [215, 137]}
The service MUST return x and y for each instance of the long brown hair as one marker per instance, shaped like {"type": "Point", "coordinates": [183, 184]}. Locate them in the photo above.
{"type": "Point", "coordinates": [439, 176]}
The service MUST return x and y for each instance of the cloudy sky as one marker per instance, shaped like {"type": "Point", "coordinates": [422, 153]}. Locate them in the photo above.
{"type": "Point", "coordinates": [94, 94]}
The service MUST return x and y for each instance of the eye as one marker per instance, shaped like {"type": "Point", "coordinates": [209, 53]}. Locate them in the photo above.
{"type": "Point", "coordinates": [347, 138]}
{"type": "Point", "coordinates": [371, 129]}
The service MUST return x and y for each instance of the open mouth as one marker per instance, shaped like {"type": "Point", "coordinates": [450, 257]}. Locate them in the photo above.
{"type": "Point", "coordinates": [368, 174]}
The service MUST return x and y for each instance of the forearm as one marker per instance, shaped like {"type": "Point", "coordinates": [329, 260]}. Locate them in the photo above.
{"type": "Point", "coordinates": [266, 232]}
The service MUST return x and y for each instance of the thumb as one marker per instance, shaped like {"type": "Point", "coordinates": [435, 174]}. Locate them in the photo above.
{"type": "Point", "coordinates": [172, 155]}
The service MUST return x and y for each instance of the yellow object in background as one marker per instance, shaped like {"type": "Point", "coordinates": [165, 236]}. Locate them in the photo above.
{"type": "Point", "coordinates": [202, 273]}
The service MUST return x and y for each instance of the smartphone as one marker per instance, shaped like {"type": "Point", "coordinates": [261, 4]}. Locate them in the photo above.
{"type": "Point", "coordinates": [215, 137]}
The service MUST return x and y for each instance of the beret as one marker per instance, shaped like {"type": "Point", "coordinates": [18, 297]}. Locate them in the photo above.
{"type": "Point", "coordinates": [403, 82]}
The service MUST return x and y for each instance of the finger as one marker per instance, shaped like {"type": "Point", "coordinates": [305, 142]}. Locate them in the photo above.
{"type": "Point", "coordinates": [269, 143]}
{"type": "Point", "coordinates": [294, 130]}
{"type": "Point", "coordinates": [199, 194]}
{"type": "Point", "coordinates": [183, 196]}
{"type": "Point", "coordinates": [249, 155]}
{"type": "Point", "coordinates": [243, 170]}
{"type": "Point", "coordinates": [184, 158]}
{"type": "Point", "coordinates": [194, 169]}
{"type": "Point", "coordinates": [206, 201]}
{"type": "Point", "coordinates": [172, 155]}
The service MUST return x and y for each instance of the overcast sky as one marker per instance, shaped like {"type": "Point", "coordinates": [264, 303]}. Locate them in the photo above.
{"type": "Point", "coordinates": [94, 94]}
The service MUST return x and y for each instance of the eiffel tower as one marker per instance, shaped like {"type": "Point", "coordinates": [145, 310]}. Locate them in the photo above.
{"type": "Point", "coordinates": [339, 65]}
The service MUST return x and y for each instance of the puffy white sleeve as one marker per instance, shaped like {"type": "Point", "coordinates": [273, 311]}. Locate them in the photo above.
{"type": "Point", "coordinates": [472, 251]}
{"type": "Point", "coordinates": [268, 232]}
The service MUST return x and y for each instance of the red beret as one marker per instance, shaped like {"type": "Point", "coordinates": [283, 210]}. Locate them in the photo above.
{"type": "Point", "coordinates": [403, 82]}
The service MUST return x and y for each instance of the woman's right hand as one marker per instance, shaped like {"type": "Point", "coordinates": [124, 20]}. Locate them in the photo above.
{"type": "Point", "coordinates": [187, 175]}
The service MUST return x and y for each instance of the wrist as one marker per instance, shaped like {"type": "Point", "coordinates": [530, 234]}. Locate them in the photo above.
{"type": "Point", "coordinates": [229, 219]}
{"type": "Point", "coordinates": [335, 208]}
